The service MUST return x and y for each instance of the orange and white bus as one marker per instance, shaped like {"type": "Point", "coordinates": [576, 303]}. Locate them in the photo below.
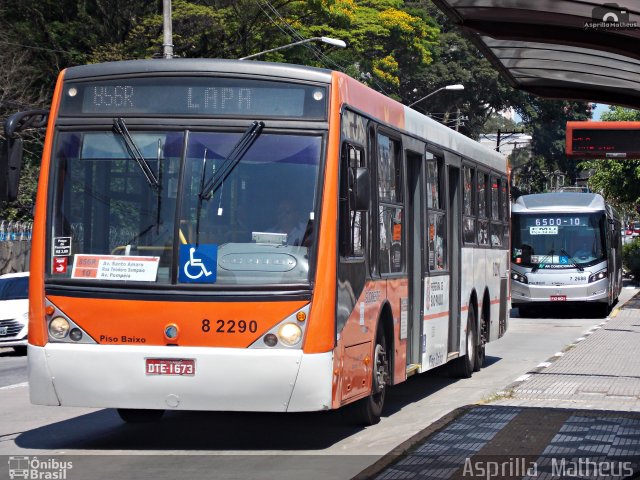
{"type": "Point", "coordinates": [249, 236]}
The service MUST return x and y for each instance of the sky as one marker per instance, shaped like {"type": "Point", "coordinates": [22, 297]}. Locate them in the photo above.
{"type": "Point", "coordinates": [598, 110]}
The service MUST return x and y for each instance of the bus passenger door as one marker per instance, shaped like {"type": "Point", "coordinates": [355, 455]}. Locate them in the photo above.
{"type": "Point", "coordinates": [415, 250]}
{"type": "Point", "coordinates": [455, 221]}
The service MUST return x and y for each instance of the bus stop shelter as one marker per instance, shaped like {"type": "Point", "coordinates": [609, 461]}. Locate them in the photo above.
{"type": "Point", "coordinates": [570, 49]}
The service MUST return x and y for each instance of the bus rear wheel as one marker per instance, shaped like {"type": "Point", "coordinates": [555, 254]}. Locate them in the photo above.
{"type": "Point", "coordinates": [136, 415]}
{"type": "Point", "coordinates": [482, 342]}
{"type": "Point", "coordinates": [464, 367]}
{"type": "Point", "coordinates": [369, 410]}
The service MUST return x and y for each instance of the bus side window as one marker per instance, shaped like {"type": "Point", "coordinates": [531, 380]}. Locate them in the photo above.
{"type": "Point", "coordinates": [391, 211]}
{"type": "Point", "coordinates": [352, 222]}
{"type": "Point", "coordinates": [436, 234]}
{"type": "Point", "coordinates": [497, 228]}
{"type": "Point", "coordinates": [483, 221]}
{"type": "Point", "coordinates": [504, 204]}
{"type": "Point", "coordinates": [470, 207]}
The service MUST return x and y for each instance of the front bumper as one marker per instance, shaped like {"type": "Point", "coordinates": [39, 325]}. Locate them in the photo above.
{"type": "Point", "coordinates": [226, 379]}
{"type": "Point", "coordinates": [522, 293]}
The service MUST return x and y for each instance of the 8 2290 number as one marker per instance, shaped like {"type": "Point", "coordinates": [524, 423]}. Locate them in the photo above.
{"type": "Point", "coordinates": [230, 326]}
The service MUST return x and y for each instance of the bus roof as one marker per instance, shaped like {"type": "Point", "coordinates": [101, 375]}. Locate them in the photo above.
{"type": "Point", "coordinates": [415, 123]}
{"type": "Point", "coordinates": [559, 201]}
{"type": "Point", "coordinates": [198, 65]}
{"type": "Point", "coordinates": [449, 139]}
{"type": "Point", "coordinates": [407, 119]}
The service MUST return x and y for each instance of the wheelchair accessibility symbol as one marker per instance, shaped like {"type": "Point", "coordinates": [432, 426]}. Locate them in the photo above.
{"type": "Point", "coordinates": [198, 263]}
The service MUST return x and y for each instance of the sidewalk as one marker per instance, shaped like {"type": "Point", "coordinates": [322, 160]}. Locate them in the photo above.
{"type": "Point", "coordinates": [576, 415]}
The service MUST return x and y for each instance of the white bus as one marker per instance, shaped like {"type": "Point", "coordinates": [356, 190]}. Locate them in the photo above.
{"type": "Point", "coordinates": [566, 247]}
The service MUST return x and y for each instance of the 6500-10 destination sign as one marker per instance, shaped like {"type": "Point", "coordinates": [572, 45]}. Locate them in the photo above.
{"type": "Point", "coordinates": [187, 96]}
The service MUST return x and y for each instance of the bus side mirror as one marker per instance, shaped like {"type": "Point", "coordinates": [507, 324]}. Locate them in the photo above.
{"type": "Point", "coordinates": [11, 155]}
{"type": "Point", "coordinates": [10, 163]}
{"type": "Point", "coordinates": [13, 167]}
{"type": "Point", "coordinates": [362, 190]}
{"type": "Point", "coordinates": [4, 163]}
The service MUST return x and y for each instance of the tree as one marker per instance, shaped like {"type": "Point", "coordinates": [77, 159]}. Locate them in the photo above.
{"type": "Point", "coordinates": [20, 90]}
{"type": "Point", "coordinates": [383, 38]}
{"type": "Point", "coordinates": [620, 114]}
{"type": "Point", "coordinates": [546, 121]}
{"type": "Point", "coordinates": [456, 60]}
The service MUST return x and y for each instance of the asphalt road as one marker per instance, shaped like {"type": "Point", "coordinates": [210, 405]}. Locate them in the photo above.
{"type": "Point", "coordinates": [194, 445]}
{"type": "Point", "coordinates": [13, 367]}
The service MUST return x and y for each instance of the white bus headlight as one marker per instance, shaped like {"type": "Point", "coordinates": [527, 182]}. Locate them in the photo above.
{"type": "Point", "coordinates": [59, 328]}
{"type": "Point", "coordinates": [518, 278]}
{"type": "Point", "coordinates": [289, 334]}
{"type": "Point", "coordinates": [594, 277]}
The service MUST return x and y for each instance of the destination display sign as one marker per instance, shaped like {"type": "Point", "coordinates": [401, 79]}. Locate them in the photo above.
{"type": "Point", "coordinates": [603, 139]}
{"type": "Point", "coordinates": [539, 222]}
{"type": "Point", "coordinates": [194, 96]}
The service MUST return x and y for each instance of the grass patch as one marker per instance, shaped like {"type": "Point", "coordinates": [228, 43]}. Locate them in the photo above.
{"type": "Point", "coordinates": [497, 396]}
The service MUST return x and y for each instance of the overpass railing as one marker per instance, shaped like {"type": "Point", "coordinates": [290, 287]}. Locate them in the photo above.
{"type": "Point", "coordinates": [14, 231]}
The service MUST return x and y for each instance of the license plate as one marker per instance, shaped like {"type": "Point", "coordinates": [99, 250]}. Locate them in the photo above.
{"type": "Point", "coordinates": [558, 298]}
{"type": "Point", "coordinates": [170, 366]}
{"type": "Point", "coordinates": [4, 330]}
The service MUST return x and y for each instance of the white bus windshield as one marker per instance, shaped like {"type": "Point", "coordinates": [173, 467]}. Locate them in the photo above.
{"type": "Point", "coordinates": [558, 240]}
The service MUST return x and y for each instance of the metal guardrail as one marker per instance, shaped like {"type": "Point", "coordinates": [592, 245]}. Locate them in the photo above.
{"type": "Point", "coordinates": [15, 231]}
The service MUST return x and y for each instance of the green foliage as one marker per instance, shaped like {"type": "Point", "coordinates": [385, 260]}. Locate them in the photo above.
{"type": "Point", "coordinates": [620, 114]}
{"type": "Point", "coordinates": [546, 121]}
{"type": "Point", "coordinates": [497, 122]}
{"type": "Point", "coordinates": [631, 257]}
{"type": "Point", "coordinates": [455, 61]}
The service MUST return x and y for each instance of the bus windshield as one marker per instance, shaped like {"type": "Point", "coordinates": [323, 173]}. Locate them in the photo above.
{"type": "Point", "coordinates": [558, 240]}
{"type": "Point", "coordinates": [109, 222]}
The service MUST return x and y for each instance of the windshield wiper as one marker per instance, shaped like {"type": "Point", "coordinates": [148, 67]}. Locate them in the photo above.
{"type": "Point", "coordinates": [571, 259]}
{"type": "Point", "coordinates": [121, 129]}
{"type": "Point", "coordinates": [208, 188]}
{"type": "Point", "coordinates": [231, 160]}
{"type": "Point", "coordinates": [541, 262]}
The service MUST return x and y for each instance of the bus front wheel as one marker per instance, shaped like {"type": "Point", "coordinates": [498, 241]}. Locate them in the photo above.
{"type": "Point", "coordinates": [135, 415]}
{"type": "Point", "coordinates": [369, 410]}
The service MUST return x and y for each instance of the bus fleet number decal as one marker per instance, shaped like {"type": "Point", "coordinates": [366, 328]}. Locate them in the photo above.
{"type": "Point", "coordinates": [230, 326]}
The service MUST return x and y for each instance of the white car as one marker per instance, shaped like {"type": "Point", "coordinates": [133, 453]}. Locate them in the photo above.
{"type": "Point", "coordinates": [14, 311]}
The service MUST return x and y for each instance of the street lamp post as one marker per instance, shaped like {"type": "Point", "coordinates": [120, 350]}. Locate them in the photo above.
{"type": "Point", "coordinates": [448, 87]}
{"type": "Point", "coordinates": [328, 40]}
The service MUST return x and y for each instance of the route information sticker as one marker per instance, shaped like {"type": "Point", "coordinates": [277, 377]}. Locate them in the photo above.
{"type": "Point", "coordinates": [115, 267]}
{"type": "Point", "coordinates": [543, 230]}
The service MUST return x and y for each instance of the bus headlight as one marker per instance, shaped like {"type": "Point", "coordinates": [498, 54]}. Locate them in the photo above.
{"type": "Point", "coordinates": [518, 278]}
{"type": "Point", "coordinates": [290, 334]}
{"type": "Point", "coordinates": [59, 328]}
{"type": "Point", "coordinates": [594, 277]}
